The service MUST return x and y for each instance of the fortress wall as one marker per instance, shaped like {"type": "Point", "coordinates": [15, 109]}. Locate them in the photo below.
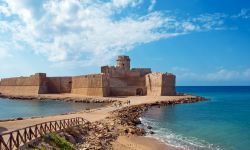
{"type": "Point", "coordinates": [91, 85]}
{"type": "Point", "coordinates": [154, 84]}
{"type": "Point", "coordinates": [159, 84]}
{"type": "Point", "coordinates": [124, 73]}
{"type": "Point", "coordinates": [59, 84]}
{"type": "Point", "coordinates": [125, 82]}
{"type": "Point", "coordinates": [168, 85]}
{"type": "Point", "coordinates": [126, 86]}
{"type": "Point", "coordinates": [21, 81]}
{"type": "Point", "coordinates": [128, 91]}
{"type": "Point", "coordinates": [142, 71]}
{"type": "Point", "coordinates": [19, 90]}
{"type": "Point", "coordinates": [35, 84]}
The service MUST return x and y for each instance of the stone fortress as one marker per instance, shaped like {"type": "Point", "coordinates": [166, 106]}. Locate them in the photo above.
{"type": "Point", "coordinates": [117, 80]}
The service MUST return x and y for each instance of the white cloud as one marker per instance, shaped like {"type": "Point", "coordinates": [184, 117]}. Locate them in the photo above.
{"type": "Point", "coordinates": [4, 10]}
{"type": "Point", "coordinates": [125, 3]}
{"type": "Point", "coordinates": [244, 13]}
{"type": "Point", "coordinates": [152, 5]}
{"type": "Point", "coordinates": [223, 74]}
{"type": "Point", "coordinates": [218, 75]}
{"type": "Point", "coordinates": [89, 32]}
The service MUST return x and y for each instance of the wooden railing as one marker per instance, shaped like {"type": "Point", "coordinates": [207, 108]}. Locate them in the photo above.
{"type": "Point", "coordinates": [14, 139]}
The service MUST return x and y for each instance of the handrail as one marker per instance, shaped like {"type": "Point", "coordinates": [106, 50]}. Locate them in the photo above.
{"type": "Point", "coordinates": [14, 139]}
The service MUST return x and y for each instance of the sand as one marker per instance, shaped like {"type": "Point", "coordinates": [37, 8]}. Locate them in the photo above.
{"type": "Point", "coordinates": [140, 143]}
{"type": "Point", "coordinates": [122, 143]}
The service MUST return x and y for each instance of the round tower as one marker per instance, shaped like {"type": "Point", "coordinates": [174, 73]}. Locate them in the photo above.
{"type": "Point", "coordinates": [123, 62]}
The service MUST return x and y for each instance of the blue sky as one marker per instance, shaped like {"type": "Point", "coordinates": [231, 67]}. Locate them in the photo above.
{"type": "Point", "coordinates": [203, 42]}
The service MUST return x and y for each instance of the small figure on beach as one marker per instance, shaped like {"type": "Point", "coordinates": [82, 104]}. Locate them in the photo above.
{"type": "Point", "coordinates": [120, 104]}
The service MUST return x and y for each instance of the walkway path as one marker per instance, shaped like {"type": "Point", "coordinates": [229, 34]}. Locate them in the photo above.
{"type": "Point", "coordinates": [93, 115]}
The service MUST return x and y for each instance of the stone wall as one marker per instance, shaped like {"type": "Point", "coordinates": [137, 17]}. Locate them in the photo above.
{"type": "Point", "coordinates": [124, 82]}
{"type": "Point", "coordinates": [91, 85]}
{"type": "Point", "coordinates": [159, 84]}
{"type": "Point", "coordinates": [168, 85]}
{"type": "Point", "coordinates": [126, 85]}
{"type": "Point", "coordinates": [35, 84]}
{"type": "Point", "coordinates": [142, 71]}
{"type": "Point", "coordinates": [59, 84]}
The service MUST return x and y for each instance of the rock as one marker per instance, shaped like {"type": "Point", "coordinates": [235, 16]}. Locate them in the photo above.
{"type": "Point", "coordinates": [149, 127]}
{"type": "Point", "coordinates": [126, 131]}
{"type": "Point", "coordinates": [70, 138]}
{"type": "Point", "coordinates": [152, 132]}
{"type": "Point", "coordinates": [19, 118]}
{"type": "Point", "coordinates": [137, 121]}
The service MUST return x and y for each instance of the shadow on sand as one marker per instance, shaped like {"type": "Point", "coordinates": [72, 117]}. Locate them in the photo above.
{"type": "Point", "coordinates": [2, 129]}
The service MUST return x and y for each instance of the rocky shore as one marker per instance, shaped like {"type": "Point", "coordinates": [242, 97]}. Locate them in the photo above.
{"type": "Point", "coordinates": [62, 98]}
{"type": "Point", "coordinates": [103, 134]}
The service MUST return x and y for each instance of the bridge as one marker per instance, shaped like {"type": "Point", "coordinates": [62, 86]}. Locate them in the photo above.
{"type": "Point", "coordinates": [14, 139]}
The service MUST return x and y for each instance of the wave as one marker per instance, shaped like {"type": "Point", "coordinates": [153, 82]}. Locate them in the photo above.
{"type": "Point", "coordinates": [169, 137]}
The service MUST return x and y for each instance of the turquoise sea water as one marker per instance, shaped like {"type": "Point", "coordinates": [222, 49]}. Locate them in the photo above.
{"type": "Point", "coordinates": [28, 108]}
{"type": "Point", "coordinates": [223, 122]}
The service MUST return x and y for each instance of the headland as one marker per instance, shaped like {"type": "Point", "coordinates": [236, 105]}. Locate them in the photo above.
{"type": "Point", "coordinates": [129, 92]}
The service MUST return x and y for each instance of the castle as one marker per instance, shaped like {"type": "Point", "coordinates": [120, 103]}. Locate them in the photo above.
{"type": "Point", "coordinates": [117, 80]}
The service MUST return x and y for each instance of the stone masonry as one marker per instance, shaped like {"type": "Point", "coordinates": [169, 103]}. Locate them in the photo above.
{"type": "Point", "coordinates": [119, 80]}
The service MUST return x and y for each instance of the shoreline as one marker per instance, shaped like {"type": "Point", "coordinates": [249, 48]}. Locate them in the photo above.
{"type": "Point", "coordinates": [125, 117]}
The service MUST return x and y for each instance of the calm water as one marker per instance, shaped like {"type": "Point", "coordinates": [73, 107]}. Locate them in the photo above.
{"type": "Point", "coordinates": [28, 108]}
{"type": "Point", "coordinates": [220, 123]}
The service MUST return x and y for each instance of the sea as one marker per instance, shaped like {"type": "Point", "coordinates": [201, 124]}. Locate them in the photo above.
{"type": "Point", "coordinates": [220, 123]}
{"type": "Point", "coordinates": [10, 109]}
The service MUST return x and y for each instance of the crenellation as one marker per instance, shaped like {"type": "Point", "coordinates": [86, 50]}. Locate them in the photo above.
{"type": "Point", "coordinates": [117, 80]}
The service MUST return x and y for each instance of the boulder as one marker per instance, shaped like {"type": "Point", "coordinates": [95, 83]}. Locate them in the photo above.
{"type": "Point", "coordinates": [70, 138]}
{"type": "Point", "coordinates": [151, 132]}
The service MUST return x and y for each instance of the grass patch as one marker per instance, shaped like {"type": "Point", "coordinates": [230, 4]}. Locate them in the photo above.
{"type": "Point", "coordinates": [55, 140]}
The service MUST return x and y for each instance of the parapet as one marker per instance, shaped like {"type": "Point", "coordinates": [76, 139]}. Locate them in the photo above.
{"type": "Point", "coordinates": [123, 57]}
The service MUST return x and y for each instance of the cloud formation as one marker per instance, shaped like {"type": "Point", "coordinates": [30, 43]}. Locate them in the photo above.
{"type": "Point", "coordinates": [218, 75]}
{"type": "Point", "coordinates": [152, 5]}
{"type": "Point", "coordinates": [82, 32]}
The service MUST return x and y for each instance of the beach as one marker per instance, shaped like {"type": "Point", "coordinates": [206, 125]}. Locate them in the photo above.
{"type": "Point", "coordinates": [124, 141]}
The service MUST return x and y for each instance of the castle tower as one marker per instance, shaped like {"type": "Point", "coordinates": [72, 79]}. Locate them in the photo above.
{"type": "Point", "coordinates": [123, 62]}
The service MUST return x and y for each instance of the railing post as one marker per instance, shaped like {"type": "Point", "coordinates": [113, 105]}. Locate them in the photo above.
{"type": "Point", "coordinates": [35, 131]}
{"type": "Point", "coordinates": [10, 141]}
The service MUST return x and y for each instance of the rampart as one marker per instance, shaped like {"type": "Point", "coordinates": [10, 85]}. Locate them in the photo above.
{"type": "Point", "coordinates": [59, 84]}
{"type": "Point", "coordinates": [159, 84]}
{"type": "Point", "coordinates": [91, 85]}
{"type": "Point", "coordinates": [35, 84]}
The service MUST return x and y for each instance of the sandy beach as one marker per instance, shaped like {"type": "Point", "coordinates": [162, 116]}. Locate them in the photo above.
{"type": "Point", "coordinates": [140, 143]}
{"type": "Point", "coordinates": [122, 142]}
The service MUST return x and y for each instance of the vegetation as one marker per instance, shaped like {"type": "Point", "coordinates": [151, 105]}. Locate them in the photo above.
{"type": "Point", "coordinates": [57, 141]}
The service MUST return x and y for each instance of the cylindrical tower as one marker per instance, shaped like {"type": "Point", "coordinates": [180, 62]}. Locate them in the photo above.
{"type": "Point", "coordinates": [123, 62]}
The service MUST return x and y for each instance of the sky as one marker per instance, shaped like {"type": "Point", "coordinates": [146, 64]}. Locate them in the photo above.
{"type": "Point", "coordinates": [203, 42]}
